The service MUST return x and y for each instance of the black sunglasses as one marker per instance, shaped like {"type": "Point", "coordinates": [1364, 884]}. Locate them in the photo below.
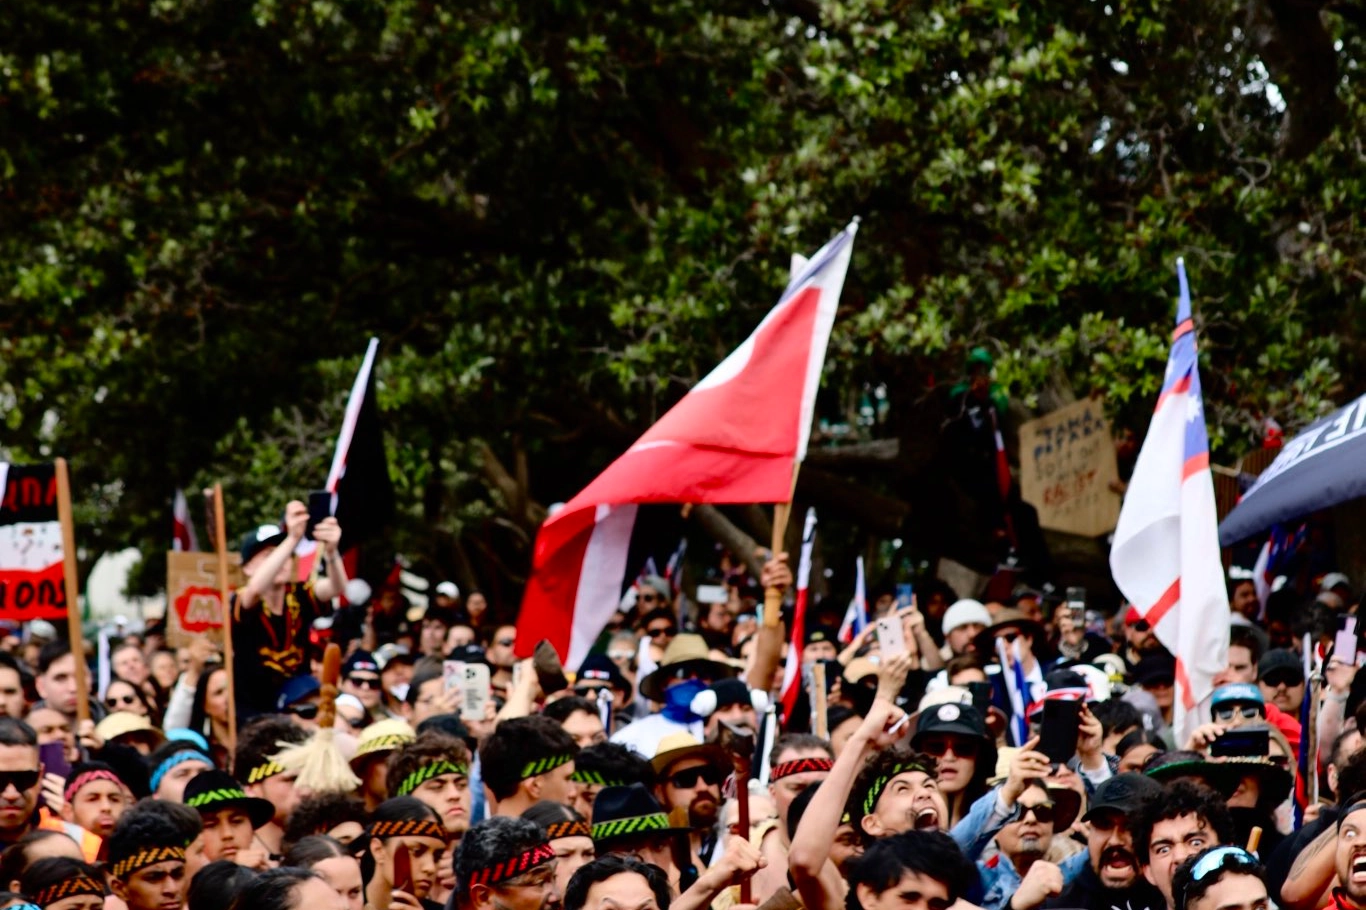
{"type": "Point", "coordinates": [662, 631]}
{"type": "Point", "coordinates": [684, 780]}
{"type": "Point", "coordinates": [305, 712]}
{"type": "Point", "coordinates": [21, 780]}
{"type": "Point", "coordinates": [1043, 813]}
{"type": "Point", "coordinates": [1287, 677]}
{"type": "Point", "coordinates": [114, 702]}
{"type": "Point", "coordinates": [363, 682]}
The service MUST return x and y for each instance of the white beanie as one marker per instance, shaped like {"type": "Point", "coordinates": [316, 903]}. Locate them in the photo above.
{"type": "Point", "coordinates": [964, 612]}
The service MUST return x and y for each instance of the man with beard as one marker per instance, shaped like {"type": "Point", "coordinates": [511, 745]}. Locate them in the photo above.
{"type": "Point", "coordinates": [1184, 819]}
{"type": "Point", "coordinates": [1111, 876]}
{"type": "Point", "coordinates": [1017, 876]}
{"type": "Point", "coordinates": [690, 774]}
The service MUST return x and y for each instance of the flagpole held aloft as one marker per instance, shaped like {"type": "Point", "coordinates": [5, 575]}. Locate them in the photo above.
{"type": "Point", "coordinates": [220, 543]}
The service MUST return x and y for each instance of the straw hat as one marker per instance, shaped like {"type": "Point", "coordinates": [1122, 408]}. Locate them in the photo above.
{"type": "Point", "coordinates": [686, 656]}
{"type": "Point", "coordinates": [381, 738]}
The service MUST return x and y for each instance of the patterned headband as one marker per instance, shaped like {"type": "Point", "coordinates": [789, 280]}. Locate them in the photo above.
{"type": "Point", "coordinates": [207, 799]}
{"type": "Point", "coordinates": [408, 828]}
{"type": "Point", "coordinates": [380, 743]}
{"type": "Point", "coordinates": [88, 777]}
{"type": "Point", "coordinates": [427, 772]}
{"type": "Point", "coordinates": [656, 821]}
{"type": "Point", "coordinates": [879, 782]}
{"type": "Point", "coordinates": [262, 772]}
{"type": "Point", "coordinates": [149, 856]}
{"type": "Point", "coordinates": [542, 765]}
{"type": "Point", "coordinates": [71, 887]}
{"type": "Point", "coordinates": [523, 862]}
{"type": "Point", "coordinates": [568, 829]}
{"type": "Point", "coordinates": [594, 777]}
{"type": "Point", "coordinates": [800, 766]}
{"type": "Point", "coordinates": [179, 758]}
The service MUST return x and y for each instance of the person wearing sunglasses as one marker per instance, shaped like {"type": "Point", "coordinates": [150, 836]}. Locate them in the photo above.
{"type": "Point", "coordinates": [1139, 637]}
{"type": "Point", "coordinates": [956, 737]}
{"type": "Point", "coordinates": [1280, 676]}
{"type": "Point", "coordinates": [1018, 636]}
{"type": "Point", "coordinates": [360, 677]}
{"type": "Point", "coordinates": [20, 776]}
{"type": "Point", "coordinates": [1017, 875]}
{"type": "Point", "coordinates": [1220, 878]}
{"type": "Point", "coordinates": [690, 775]}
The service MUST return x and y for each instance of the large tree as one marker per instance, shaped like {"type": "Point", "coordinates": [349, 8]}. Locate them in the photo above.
{"type": "Point", "coordinates": [557, 215]}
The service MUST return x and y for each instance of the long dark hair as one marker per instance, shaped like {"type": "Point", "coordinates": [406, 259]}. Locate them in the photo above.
{"type": "Point", "coordinates": [395, 809]}
{"type": "Point", "coordinates": [153, 711]}
{"type": "Point", "coordinates": [198, 718]}
{"type": "Point", "coordinates": [273, 889]}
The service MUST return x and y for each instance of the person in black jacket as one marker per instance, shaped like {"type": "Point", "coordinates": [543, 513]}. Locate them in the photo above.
{"type": "Point", "coordinates": [1112, 879]}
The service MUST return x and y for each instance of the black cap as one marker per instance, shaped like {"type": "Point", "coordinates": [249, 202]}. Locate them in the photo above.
{"type": "Point", "coordinates": [731, 692]}
{"type": "Point", "coordinates": [470, 654]}
{"type": "Point", "coordinates": [259, 539]}
{"type": "Point", "coordinates": [950, 718]}
{"type": "Point", "coordinates": [598, 669]}
{"type": "Point", "coordinates": [1123, 793]}
{"type": "Point", "coordinates": [1279, 659]}
{"type": "Point", "coordinates": [822, 633]}
{"type": "Point", "coordinates": [209, 791]}
{"type": "Point", "coordinates": [363, 661]}
{"type": "Point", "coordinates": [1155, 666]}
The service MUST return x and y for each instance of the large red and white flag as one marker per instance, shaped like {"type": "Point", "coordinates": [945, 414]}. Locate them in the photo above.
{"type": "Point", "coordinates": [1165, 555]}
{"type": "Point", "coordinates": [792, 670]}
{"type": "Point", "coordinates": [734, 438]}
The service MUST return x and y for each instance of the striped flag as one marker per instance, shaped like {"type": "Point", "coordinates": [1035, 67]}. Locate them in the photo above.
{"type": "Point", "coordinates": [182, 526]}
{"type": "Point", "coordinates": [792, 670]}
{"type": "Point", "coordinates": [856, 616]}
{"type": "Point", "coordinates": [1165, 556]}
{"type": "Point", "coordinates": [736, 437]}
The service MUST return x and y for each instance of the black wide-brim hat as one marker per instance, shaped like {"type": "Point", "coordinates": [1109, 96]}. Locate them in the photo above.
{"type": "Point", "coordinates": [210, 791]}
{"type": "Point", "coordinates": [624, 812]}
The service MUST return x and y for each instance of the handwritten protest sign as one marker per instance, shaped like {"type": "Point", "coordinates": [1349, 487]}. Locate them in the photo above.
{"type": "Point", "coordinates": [31, 568]}
{"type": "Point", "coordinates": [194, 606]}
{"type": "Point", "coordinates": [1067, 461]}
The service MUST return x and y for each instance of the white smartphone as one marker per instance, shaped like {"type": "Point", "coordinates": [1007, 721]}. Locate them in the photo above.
{"type": "Point", "coordinates": [891, 637]}
{"type": "Point", "coordinates": [477, 692]}
{"type": "Point", "coordinates": [712, 594]}
{"type": "Point", "coordinates": [452, 674]}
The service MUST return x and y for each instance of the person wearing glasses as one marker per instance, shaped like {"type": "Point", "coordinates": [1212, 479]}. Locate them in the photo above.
{"type": "Point", "coordinates": [965, 755]}
{"type": "Point", "coordinates": [1221, 878]}
{"type": "Point", "coordinates": [690, 775]}
{"type": "Point", "coordinates": [1018, 876]}
{"type": "Point", "coordinates": [360, 677]}
{"type": "Point", "coordinates": [1280, 676]}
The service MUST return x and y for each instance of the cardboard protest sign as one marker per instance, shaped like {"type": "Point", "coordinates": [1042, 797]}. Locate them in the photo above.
{"type": "Point", "coordinates": [31, 580]}
{"type": "Point", "coordinates": [194, 603]}
{"type": "Point", "coordinates": [1067, 462]}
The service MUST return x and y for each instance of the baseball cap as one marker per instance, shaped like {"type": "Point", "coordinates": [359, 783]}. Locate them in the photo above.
{"type": "Point", "coordinates": [391, 653]}
{"type": "Point", "coordinates": [1279, 659]}
{"type": "Point", "coordinates": [264, 536]}
{"type": "Point", "coordinates": [822, 633]}
{"type": "Point", "coordinates": [362, 661]}
{"type": "Point", "coordinates": [1333, 579]}
{"type": "Point", "coordinates": [448, 589]}
{"type": "Point", "coordinates": [297, 689]}
{"type": "Point", "coordinates": [1236, 692]}
{"type": "Point", "coordinates": [1155, 666]}
{"type": "Point", "coordinates": [1124, 793]}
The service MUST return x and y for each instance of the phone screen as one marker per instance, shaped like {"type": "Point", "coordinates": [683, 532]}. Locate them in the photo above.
{"type": "Point", "coordinates": [1058, 735]}
{"type": "Point", "coordinates": [53, 757]}
{"type": "Point", "coordinates": [1241, 744]}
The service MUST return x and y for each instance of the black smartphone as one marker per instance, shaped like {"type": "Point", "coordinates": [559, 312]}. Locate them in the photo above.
{"type": "Point", "coordinates": [981, 696]}
{"type": "Point", "coordinates": [53, 757]}
{"type": "Point", "coordinates": [1239, 743]}
{"type": "Point", "coordinates": [319, 507]}
{"type": "Point", "coordinates": [1059, 731]}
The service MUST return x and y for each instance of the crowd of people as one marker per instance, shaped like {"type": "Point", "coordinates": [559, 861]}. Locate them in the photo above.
{"type": "Point", "coordinates": [1005, 755]}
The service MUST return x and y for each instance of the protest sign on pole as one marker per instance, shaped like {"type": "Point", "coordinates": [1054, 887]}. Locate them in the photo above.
{"type": "Point", "coordinates": [1067, 463]}
{"type": "Point", "coordinates": [73, 609]}
{"type": "Point", "coordinates": [194, 599]}
{"type": "Point", "coordinates": [31, 554]}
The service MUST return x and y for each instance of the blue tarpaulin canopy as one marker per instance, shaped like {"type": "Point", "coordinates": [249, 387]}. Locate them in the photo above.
{"type": "Point", "coordinates": [1321, 467]}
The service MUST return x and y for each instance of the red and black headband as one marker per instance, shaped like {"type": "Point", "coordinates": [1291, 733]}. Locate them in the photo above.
{"type": "Point", "coordinates": [523, 862]}
{"type": "Point", "coordinates": [799, 766]}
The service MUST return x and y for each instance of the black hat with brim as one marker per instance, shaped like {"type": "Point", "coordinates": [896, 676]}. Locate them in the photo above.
{"type": "Point", "coordinates": [214, 790]}
{"type": "Point", "coordinates": [621, 813]}
{"type": "Point", "coordinates": [1218, 776]}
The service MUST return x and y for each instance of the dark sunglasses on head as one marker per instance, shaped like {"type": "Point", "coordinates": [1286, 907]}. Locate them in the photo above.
{"type": "Point", "coordinates": [21, 780]}
{"type": "Point", "coordinates": [1143, 626]}
{"type": "Point", "coordinates": [939, 746]}
{"type": "Point", "coordinates": [1043, 813]}
{"type": "Point", "coordinates": [364, 682]}
{"type": "Point", "coordinates": [305, 712]}
{"type": "Point", "coordinates": [1216, 859]}
{"type": "Point", "coordinates": [683, 780]}
{"type": "Point", "coordinates": [661, 631]}
{"type": "Point", "coordinates": [1225, 713]}
{"type": "Point", "coordinates": [114, 701]}
{"type": "Point", "coordinates": [1287, 677]}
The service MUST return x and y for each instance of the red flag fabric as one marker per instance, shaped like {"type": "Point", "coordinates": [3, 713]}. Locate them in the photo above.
{"type": "Point", "coordinates": [792, 669]}
{"type": "Point", "coordinates": [734, 438]}
{"type": "Point", "coordinates": [182, 527]}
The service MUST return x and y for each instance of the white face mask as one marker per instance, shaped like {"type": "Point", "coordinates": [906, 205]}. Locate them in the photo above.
{"type": "Point", "coordinates": [399, 691]}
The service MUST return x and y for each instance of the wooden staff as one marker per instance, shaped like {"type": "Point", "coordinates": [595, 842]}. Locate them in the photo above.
{"type": "Point", "coordinates": [73, 607]}
{"type": "Point", "coordinates": [220, 539]}
{"type": "Point", "coordinates": [818, 706]}
{"type": "Point", "coordinates": [768, 647]}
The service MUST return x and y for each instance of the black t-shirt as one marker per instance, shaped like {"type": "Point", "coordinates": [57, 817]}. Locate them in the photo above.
{"type": "Point", "coordinates": [270, 649]}
{"type": "Point", "coordinates": [1087, 892]}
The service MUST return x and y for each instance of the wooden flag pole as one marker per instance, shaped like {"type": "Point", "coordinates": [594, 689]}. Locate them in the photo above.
{"type": "Point", "coordinates": [73, 607]}
{"type": "Point", "coordinates": [220, 540]}
{"type": "Point", "coordinates": [768, 645]}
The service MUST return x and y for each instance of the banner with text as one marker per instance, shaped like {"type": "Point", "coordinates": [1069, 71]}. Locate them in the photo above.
{"type": "Point", "coordinates": [31, 580]}
{"type": "Point", "coordinates": [1067, 464]}
{"type": "Point", "coordinates": [194, 603]}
